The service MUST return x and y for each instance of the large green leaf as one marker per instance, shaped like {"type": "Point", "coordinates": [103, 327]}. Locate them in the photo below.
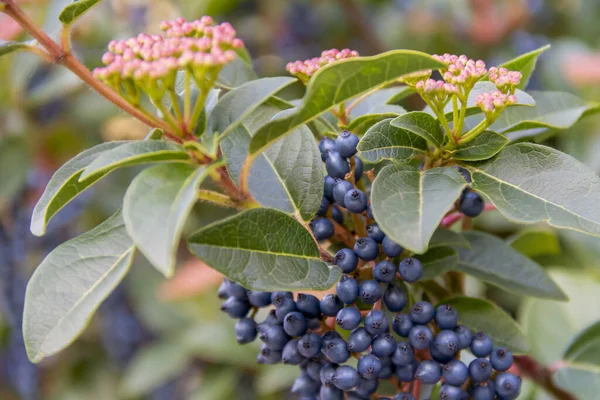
{"type": "Point", "coordinates": [64, 186]}
{"type": "Point", "coordinates": [7, 47]}
{"type": "Point", "coordinates": [421, 124]}
{"type": "Point", "coordinates": [531, 183]}
{"type": "Point", "coordinates": [408, 204]}
{"type": "Point", "coordinates": [69, 285]}
{"type": "Point", "coordinates": [445, 237]}
{"type": "Point", "coordinates": [134, 153]}
{"type": "Point", "coordinates": [535, 242]}
{"type": "Point", "coordinates": [585, 348]}
{"type": "Point", "coordinates": [339, 82]}
{"type": "Point", "coordinates": [437, 261]}
{"type": "Point", "coordinates": [525, 64]}
{"type": "Point", "coordinates": [235, 74]}
{"type": "Point", "coordinates": [75, 10]}
{"type": "Point", "coordinates": [264, 249]}
{"type": "Point", "coordinates": [484, 146]}
{"type": "Point", "coordinates": [492, 260]}
{"type": "Point", "coordinates": [14, 166]}
{"type": "Point", "coordinates": [361, 124]}
{"type": "Point", "coordinates": [582, 380]}
{"type": "Point", "coordinates": [288, 176]}
{"type": "Point", "coordinates": [386, 142]}
{"type": "Point", "coordinates": [156, 207]}
{"type": "Point", "coordinates": [481, 315]}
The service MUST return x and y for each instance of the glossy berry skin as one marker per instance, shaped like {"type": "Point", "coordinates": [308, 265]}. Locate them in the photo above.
{"type": "Point", "coordinates": [278, 298]}
{"type": "Point", "coordinates": [455, 373]}
{"type": "Point", "coordinates": [481, 345]}
{"type": "Point", "coordinates": [236, 290]}
{"type": "Point", "coordinates": [322, 228]}
{"type": "Point", "coordinates": [487, 392]}
{"type": "Point", "coordinates": [271, 319]}
{"type": "Point", "coordinates": [394, 298]}
{"type": "Point", "coordinates": [346, 143]}
{"type": "Point", "coordinates": [370, 212]}
{"type": "Point", "coordinates": [359, 340]}
{"type": "Point", "coordinates": [358, 168]}
{"type": "Point", "coordinates": [222, 291]}
{"type": "Point", "coordinates": [471, 204]}
{"type": "Point", "coordinates": [383, 345]}
{"type": "Point", "coordinates": [508, 385]}
{"type": "Point", "coordinates": [269, 356]}
{"type": "Point", "coordinates": [346, 259]}
{"type": "Point", "coordinates": [273, 336]}
{"type": "Point", "coordinates": [404, 396]}
{"type": "Point", "coordinates": [290, 354]}
{"type": "Point", "coordinates": [366, 387]}
{"type": "Point", "coordinates": [340, 188]}
{"type": "Point", "coordinates": [480, 369]}
{"type": "Point", "coordinates": [403, 355]}
{"type": "Point", "coordinates": [235, 307]}
{"type": "Point", "coordinates": [348, 318]}
{"type": "Point", "coordinates": [295, 324]}
{"type": "Point", "coordinates": [369, 367]}
{"type": "Point", "coordinates": [384, 271]}
{"type": "Point", "coordinates": [501, 359]}
{"type": "Point", "coordinates": [437, 356]}
{"type": "Point", "coordinates": [390, 248]}
{"type": "Point", "coordinates": [446, 317]}
{"type": "Point", "coordinates": [411, 269]}
{"type": "Point", "coordinates": [284, 308]}
{"type": "Point", "coordinates": [323, 207]}
{"type": "Point", "coordinates": [464, 336]}
{"type": "Point", "coordinates": [446, 342]}
{"type": "Point", "coordinates": [420, 337]}
{"type": "Point", "coordinates": [366, 248]}
{"type": "Point", "coordinates": [325, 144]}
{"type": "Point", "coordinates": [308, 305]}
{"type": "Point", "coordinates": [370, 291]}
{"type": "Point", "coordinates": [313, 369]}
{"type": "Point", "coordinates": [330, 335]}
{"type": "Point", "coordinates": [330, 393]}
{"type": "Point", "coordinates": [336, 351]}
{"type": "Point", "coordinates": [309, 345]}
{"type": "Point", "coordinates": [347, 289]}
{"type": "Point", "coordinates": [259, 299]}
{"type": "Point", "coordinates": [449, 392]}
{"type": "Point", "coordinates": [406, 373]}
{"type": "Point", "coordinates": [422, 313]}
{"type": "Point", "coordinates": [356, 201]}
{"type": "Point", "coordinates": [304, 385]}
{"type": "Point", "coordinates": [326, 374]}
{"type": "Point", "coordinates": [428, 372]}
{"type": "Point", "coordinates": [331, 305]}
{"type": "Point", "coordinates": [375, 233]}
{"type": "Point", "coordinates": [336, 165]}
{"type": "Point", "coordinates": [346, 377]}
{"type": "Point", "coordinates": [245, 331]}
{"type": "Point", "coordinates": [376, 322]}
{"type": "Point", "coordinates": [328, 184]}
{"type": "Point", "coordinates": [337, 214]}
{"type": "Point", "coordinates": [387, 370]}
{"type": "Point", "coordinates": [402, 324]}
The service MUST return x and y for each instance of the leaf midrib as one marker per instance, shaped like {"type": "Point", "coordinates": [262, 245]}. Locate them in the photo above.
{"type": "Point", "coordinates": [258, 251]}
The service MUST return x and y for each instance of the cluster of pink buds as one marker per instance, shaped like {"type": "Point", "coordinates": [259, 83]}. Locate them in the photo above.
{"type": "Point", "coordinates": [414, 78]}
{"type": "Point", "coordinates": [461, 70]}
{"type": "Point", "coordinates": [305, 69]}
{"type": "Point", "coordinates": [494, 101]}
{"type": "Point", "coordinates": [438, 91]}
{"type": "Point", "coordinates": [506, 81]}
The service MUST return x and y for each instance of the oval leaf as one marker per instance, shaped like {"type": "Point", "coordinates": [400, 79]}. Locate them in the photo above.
{"type": "Point", "coordinates": [421, 124]}
{"type": "Point", "coordinates": [445, 237]}
{"type": "Point", "coordinates": [75, 10]}
{"type": "Point", "coordinates": [235, 74]}
{"type": "Point", "coordinates": [155, 208]}
{"type": "Point", "coordinates": [69, 285]}
{"type": "Point", "coordinates": [484, 146]}
{"type": "Point", "coordinates": [530, 183]}
{"type": "Point", "coordinates": [386, 142]}
{"type": "Point", "coordinates": [341, 81]}
{"type": "Point", "coordinates": [494, 261]}
{"type": "Point", "coordinates": [408, 204]}
{"type": "Point", "coordinates": [264, 249]}
{"type": "Point", "coordinates": [525, 64]}
{"type": "Point", "coordinates": [582, 381]}
{"type": "Point", "coordinates": [482, 316]}
{"type": "Point", "coordinates": [437, 261]}
{"type": "Point", "coordinates": [585, 348]}
{"type": "Point", "coordinates": [533, 243]}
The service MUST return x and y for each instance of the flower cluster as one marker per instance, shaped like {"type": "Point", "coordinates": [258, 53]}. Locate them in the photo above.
{"type": "Point", "coordinates": [439, 91]}
{"type": "Point", "coordinates": [494, 101]}
{"type": "Point", "coordinates": [461, 70]}
{"type": "Point", "coordinates": [415, 77]}
{"type": "Point", "coordinates": [506, 81]}
{"type": "Point", "coordinates": [305, 69]}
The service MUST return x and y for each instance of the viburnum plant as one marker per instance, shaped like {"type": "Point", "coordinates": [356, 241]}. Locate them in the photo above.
{"type": "Point", "coordinates": [342, 188]}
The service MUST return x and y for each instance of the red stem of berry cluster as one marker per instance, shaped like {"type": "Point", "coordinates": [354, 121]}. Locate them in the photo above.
{"type": "Point", "coordinates": [541, 375]}
{"type": "Point", "coordinates": [454, 217]}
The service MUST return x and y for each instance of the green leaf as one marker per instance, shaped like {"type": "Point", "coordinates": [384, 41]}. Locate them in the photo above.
{"type": "Point", "coordinates": [14, 167]}
{"type": "Point", "coordinates": [7, 47]}
{"type": "Point", "coordinates": [437, 261]}
{"type": "Point", "coordinates": [340, 82]}
{"type": "Point", "coordinates": [533, 243]}
{"type": "Point", "coordinates": [156, 207]}
{"type": "Point", "coordinates": [525, 64]}
{"type": "Point", "coordinates": [75, 10]}
{"type": "Point", "coordinates": [155, 134]}
{"type": "Point", "coordinates": [445, 237]}
{"type": "Point", "coordinates": [585, 348]}
{"type": "Point", "coordinates": [386, 142]}
{"type": "Point", "coordinates": [401, 95]}
{"type": "Point", "coordinates": [238, 103]}
{"type": "Point", "coordinates": [134, 153]}
{"type": "Point", "coordinates": [69, 285]}
{"type": "Point", "coordinates": [361, 124]}
{"type": "Point", "coordinates": [484, 146]}
{"type": "Point", "coordinates": [421, 124]}
{"type": "Point", "coordinates": [582, 381]}
{"type": "Point", "coordinates": [235, 74]}
{"type": "Point", "coordinates": [482, 316]}
{"type": "Point", "coordinates": [408, 204]}
{"type": "Point", "coordinates": [530, 183]}
{"type": "Point", "coordinates": [64, 186]}
{"type": "Point", "coordinates": [494, 261]}
{"type": "Point", "coordinates": [264, 249]}
{"type": "Point", "coordinates": [375, 103]}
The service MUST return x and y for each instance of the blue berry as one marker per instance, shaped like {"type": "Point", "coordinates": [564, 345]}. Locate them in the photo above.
{"type": "Point", "coordinates": [375, 233]}
{"type": "Point", "coordinates": [322, 228]}
{"type": "Point", "coordinates": [376, 322]}
{"type": "Point", "coordinates": [235, 307]}
{"type": "Point", "coordinates": [366, 248]}
{"type": "Point", "coordinates": [403, 355]}
{"type": "Point", "coordinates": [308, 305]}
{"type": "Point", "coordinates": [347, 289]}
{"type": "Point", "coordinates": [370, 291]}
{"type": "Point", "coordinates": [323, 207]}
{"type": "Point", "coordinates": [359, 340]}
{"type": "Point", "coordinates": [428, 372]}
{"type": "Point", "coordinates": [480, 369]}
{"type": "Point", "coordinates": [313, 369]}
{"type": "Point", "coordinates": [346, 259]}
{"type": "Point", "coordinates": [404, 396]}
{"type": "Point", "coordinates": [481, 345]}
{"type": "Point", "coordinates": [394, 298]}
{"type": "Point", "coordinates": [422, 313]}
{"type": "Point", "coordinates": [446, 317]}
{"type": "Point", "coordinates": [346, 143]}
{"type": "Point", "coordinates": [356, 201]}
{"type": "Point", "coordinates": [438, 356]}
{"type": "Point", "coordinates": [326, 375]}
{"type": "Point", "coordinates": [358, 168]}
{"type": "Point", "coordinates": [328, 184]}
{"type": "Point", "coordinates": [387, 371]}
{"type": "Point", "coordinates": [325, 144]}
{"type": "Point", "coordinates": [383, 345]}
{"type": "Point", "coordinates": [471, 204]}
{"type": "Point", "coordinates": [330, 393]}
{"type": "Point", "coordinates": [455, 373]}
{"type": "Point", "coordinates": [366, 387]}
{"type": "Point", "coordinates": [273, 336]}
{"type": "Point", "coordinates": [268, 355]}
{"type": "Point", "coordinates": [345, 377]}
{"type": "Point", "coordinates": [330, 335]}
{"type": "Point", "coordinates": [237, 290]}
{"type": "Point", "coordinates": [271, 319]}
{"type": "Point", "coordinates": [391, 248]}
{"type": "Point", "coordinates": [369, 367]}
{"type": "Point", "coordinates": [384, 271]}
{"type": "Point", "coordinates": [295, 324]}
{"type": "Point", "coordinates": [508, 385]}
{"type": "Point", "coordinates": [420, 337]}
{"type": "Point", "coordinates": [484, 392]}
{"type": "Point", "coordinates": [464, 336]}
{"type": "Point", "coordinates": [449, 392]}
{"type": "Point", "coordinates": [304, 385]}
{"type": "Point", "coordinates": [340, 188]}
{"type": "Point", "coordinates": [222, 292]}
{"type": "Point", "coordinates": [501, 359]}
{"type": "Point", "coordinates": [259, 299]}
{"type": "Point", "coordinates": [406, 373]}
{"type": "Point", "coordinates": [331, 305]}
{"type": "Point", "coordinates": [278, 298]}
{"type": "Point", "coordinates": [402, 325]}
{"type": "Point", "coordinates": [245, 331]}
{"type": "Point", "coordinates": [290, 354]}
{"type": "Point", "coordinates": [284, 308]}
{"type": "Point", "coordinates": [411, 269]}
{"type": "Point", "coordinates": [336, 350]}
{"type": "Point", "coordinates": [348, 318]}
{"type": "Point", "coordinates": [446, 342]}
{"type": "Point", "coordinates": [336, 165]}
{"type": "Point", "coordinates": [370, 212]}
{"type": "Point", "coordinates": [337, 214]}
{"type": "Point", "coordinates": [309, 345]}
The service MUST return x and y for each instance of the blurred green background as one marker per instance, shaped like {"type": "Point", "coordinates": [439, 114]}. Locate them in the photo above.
{"type": "Point", "coordinates": [168, 340]}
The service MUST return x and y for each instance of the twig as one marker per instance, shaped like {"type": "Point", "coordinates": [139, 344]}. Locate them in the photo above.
{"type": "Point", "coordinates": [453, 218]}
{"type": "Point", "coordinates": [541, 375]}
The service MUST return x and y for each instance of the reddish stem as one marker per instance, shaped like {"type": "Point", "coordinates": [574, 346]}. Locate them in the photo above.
{"type": "Point", "coordinates": [454, 217]}
{"type": "Point", "coordinates": [541, 375]}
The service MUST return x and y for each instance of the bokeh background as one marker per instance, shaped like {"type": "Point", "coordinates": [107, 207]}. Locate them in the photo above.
{"type": "Point", "coordinates": [168, 340]}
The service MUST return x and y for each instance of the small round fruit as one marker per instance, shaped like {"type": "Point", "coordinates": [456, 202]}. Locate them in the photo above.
{"type": "Point", "coordinates": [480, 369]}
{"type": "Point", "coordinates": [422, 312]}
{"type": "Point", "coordinates": [295, 324]}
{"type": "Point", "coordinates": [347, 289]}
{"type": "Point", "coordinates": [235, 307]}
{"type": "Point", "coordinates": [446, 317]}
{"type": "Point", "coordinates": [359, 340]}
{"type": "Point", "coordinates": [308, 305]}
{"type": "Point", "coordinates": [366, 248]}
{"type": "Point", "coordinates": [348, 318]}
{"type": "Point", "coordinates": [376, 322]}
{"type": "Point", "coordinates": [328, 188]}
{"type": "Point", "coordinates": [259, 299]}
{"type": "Point", "coordinates": [508, 385]}
{"type": "Point", "coordinates": [384, 271]}
{"type": "Point", "coordinates": [325, 144]}
{"type": "Point", "coordinates": [370, 291]}
{"type": "Point", "coordinates": [323, 207]}
{"type": "Point", "coordinates": [471, 203]}
{"type": "Point", "coordinates": [429, 372]}
{"type": "Point", "coordinates": [455, 373]}
{"type": "Point", "coordinates": [336, 351]}
{"type": "Point", "coordinates": [346, 377]}
{"type": "Point", "coordinates": [336, 165]}
{"type": "Point", "coordinates": [502, 359]}
{"type": "Point", "coordinates": [464, 336]}
{"type": "Point", "coordinates": [394, 298]}
{"type": "Point", "coordinates": [404, 354]}
{"type": "Point", "coordinates": [346, 259]}
{"type": "Point", "coordinates": [309, 345]}
{"type": "Point", "coordinates": [446, 342]}
{"type": "Point", "coordinates": [340, 188]}
{"type": "Point", "coordinates": [390, 248]}
{"type": "Point", "coordinates": [346, 143]}
{"type": "Point", "coordinates": [245, 330]}
{"type": "Point", "coordinates": [481, 345]}
{"type": "Point", "coordinates": [369, 367]}
{"type": "Point", "coordinates": [356, 201]}
{"type": "Point", "coordinates": [383, 345]}
{"type": "Point", "coordinates": [358, 168]}
{"type": "Point", "coordinates": [401, 324]}
{"type": "Point", "coordinates": [322, 228]}
{"type": "Point", "coordinates": [375, 233]}
{"type": "Point", "coordinates": [411, 269]}
{"type": "Point", "coordinates": [420, 337]}
{"type": "Point", "coordinates": [331, 305]}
